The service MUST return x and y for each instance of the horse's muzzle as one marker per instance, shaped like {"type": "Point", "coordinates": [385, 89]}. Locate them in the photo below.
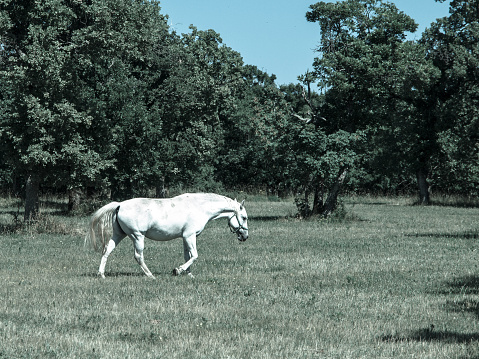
{"type": "Point", "coordinates": [242, 236]}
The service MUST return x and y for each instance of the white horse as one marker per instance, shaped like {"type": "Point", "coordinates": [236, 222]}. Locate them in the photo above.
{"type": "Point", "coordinates": [162, 220]}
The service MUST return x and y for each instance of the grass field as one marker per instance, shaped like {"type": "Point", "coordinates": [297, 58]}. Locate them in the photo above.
{"type": "Point", "coordinates": [391, 281]}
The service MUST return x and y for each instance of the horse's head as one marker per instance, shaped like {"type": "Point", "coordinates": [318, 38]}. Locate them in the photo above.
{"type": "Point", "coordinates": [238, 222]}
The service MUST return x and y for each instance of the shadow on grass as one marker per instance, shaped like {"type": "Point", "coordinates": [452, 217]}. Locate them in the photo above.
{"type": "Point", "coordinates": [267, 218]}
{"type": "Point", "coordinates": [431, 335]}
{"type": "Point", "coordinates": [117, 275]}
{"type": "Point", "coordinates": [130, 274]}
{"type": "Point", "coordinates": [456, 203]}
{"type": "Point", "coordinates": [463, 306]}
{"type": "Point", "coordinates": [457, 286]}
{"type": "Point", "coordinates": [460, 235]}
{"type": "Point", "coordinates": [461, 285]}
{"type": "Point", "coordinates": [371, 203]}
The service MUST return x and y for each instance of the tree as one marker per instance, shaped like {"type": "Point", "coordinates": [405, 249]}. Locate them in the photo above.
{"type": "Point", "coordinates": [197, 100]}
{"type": "Point", "coordinates": [377, 81]}
{"type": "Point", "coordinates": [67, 65]}
{"type": "Point", "coordinates": [452, 45]}
{"type": "Point", "coordinates": [43, 126]}
{"type": "Point", "coordinates": [125, 58]}
{"type": "Point", "coordinates": [246, 155]}
{"type": "Point", "coordinates": [324, 153]}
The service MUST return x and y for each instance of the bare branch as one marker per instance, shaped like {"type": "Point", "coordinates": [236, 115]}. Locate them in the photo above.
{"type": "Point", "coordinates": [305, 120]}
{"type": "Point", "coordinates": [314, 120]}
{"type": "Point", "coordinates": [308, 101]}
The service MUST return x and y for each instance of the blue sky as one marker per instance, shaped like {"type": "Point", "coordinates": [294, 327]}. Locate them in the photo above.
{"type": "Point", "coordinates": [274, 35]}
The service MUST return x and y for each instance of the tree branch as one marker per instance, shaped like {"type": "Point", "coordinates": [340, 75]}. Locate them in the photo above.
{"type": "Point", "coordinates": [314, 120]}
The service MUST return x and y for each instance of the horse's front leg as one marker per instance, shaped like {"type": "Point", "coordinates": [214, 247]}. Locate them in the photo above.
{"type": "Point", "coordinates": [190, 255]}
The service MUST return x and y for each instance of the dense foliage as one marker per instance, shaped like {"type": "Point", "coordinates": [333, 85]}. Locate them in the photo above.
{"type": "Point", "coordinates": [101, 96]}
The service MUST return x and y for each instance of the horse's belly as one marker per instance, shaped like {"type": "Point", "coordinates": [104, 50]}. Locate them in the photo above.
{"type": "Point", "coordinates": [158, 234]}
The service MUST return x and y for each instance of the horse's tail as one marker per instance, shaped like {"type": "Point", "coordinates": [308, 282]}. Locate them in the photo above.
{"type": "Point", "coordinates": [100, 223]}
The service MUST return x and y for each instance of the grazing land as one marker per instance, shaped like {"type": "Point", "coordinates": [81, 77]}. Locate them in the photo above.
{"type": "Point", "coordinates": [391, 280]}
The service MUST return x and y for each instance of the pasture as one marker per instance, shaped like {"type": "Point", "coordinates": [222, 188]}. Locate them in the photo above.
{"type": "Point", "coordinates": [392, 280]}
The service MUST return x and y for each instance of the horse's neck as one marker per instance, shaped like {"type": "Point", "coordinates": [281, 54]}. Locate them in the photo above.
{"type": "Point", "coordinates": [223, 209]}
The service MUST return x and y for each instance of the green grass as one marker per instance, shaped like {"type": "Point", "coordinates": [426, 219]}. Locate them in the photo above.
{"type": "Point", "coordinates": [392, 281]}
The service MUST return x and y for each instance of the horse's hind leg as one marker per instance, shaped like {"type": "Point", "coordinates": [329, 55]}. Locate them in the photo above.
{"type": "Point", "coordinates": [115, 239]}
{"type": "Point", "coordinates": [139, 243]}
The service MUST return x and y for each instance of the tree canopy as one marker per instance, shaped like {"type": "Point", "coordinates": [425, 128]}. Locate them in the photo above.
{"type": "Point", "coordinates": [102, 96]}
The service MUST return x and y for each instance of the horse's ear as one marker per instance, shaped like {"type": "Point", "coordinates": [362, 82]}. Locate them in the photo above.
{"type": "Point", "coordinates": [242, 203]}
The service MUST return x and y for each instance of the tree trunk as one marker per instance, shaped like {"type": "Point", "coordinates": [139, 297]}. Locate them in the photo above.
{"type": "Point", "coordinates": [302, 204]}
{"type": "Point", "coordinates": [74, 198]}
{"type": "Point", "coordinates": [318, 198]}
{"type": "Point", "coordinates": [332, 200]}
{"type": "Point", "coordinates": [423, 186]}
{"type": "Point", "coordinates": [31, 197]}
{"type": "Point", "coordinates": [161, 189]}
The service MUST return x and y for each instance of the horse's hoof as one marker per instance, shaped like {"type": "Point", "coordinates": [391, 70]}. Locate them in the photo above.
{"type": "Point", "coordinates": [101, 275]}
{"type": "Point", "coordinates": [177, 271]}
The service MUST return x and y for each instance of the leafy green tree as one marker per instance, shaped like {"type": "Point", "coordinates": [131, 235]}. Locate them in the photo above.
{"type": "Point", "coordinates": [405, 139]}
{"type": "Point", "coordinates": [197, 100]}
{"type": "Point", "coordinates": [74, 70]}
{"type": "Point", "coordinates": [43, 126]}
{"type": "Point", "coordinates": [125, 57]}
{"type": "Point", "coordinates": [432, 129]}
{"type": "Point", "coordinates": [245, 157]}
{"type": "Point", "coordinates": [7, 174]}
{"type": "Point", "coordinates": [324, 153]}
{"type": "Point", "coordinates": [375, 81]}
{"type": "Point", "coordinates": [452, 100]}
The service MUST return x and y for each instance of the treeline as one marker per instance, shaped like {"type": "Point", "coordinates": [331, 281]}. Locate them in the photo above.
{"type": "Point", "coordinates": [100, 96]}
